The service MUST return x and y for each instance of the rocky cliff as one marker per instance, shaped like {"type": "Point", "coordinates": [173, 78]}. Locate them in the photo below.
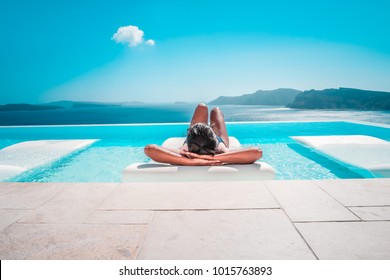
{"type": "Point", "coordinates": [277, 97]}
{"type": "Point", "coordinates": [342, 98]}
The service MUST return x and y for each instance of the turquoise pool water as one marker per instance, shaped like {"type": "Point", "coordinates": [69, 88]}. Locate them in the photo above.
{"type": "Point", "coordinates": [121, 145]}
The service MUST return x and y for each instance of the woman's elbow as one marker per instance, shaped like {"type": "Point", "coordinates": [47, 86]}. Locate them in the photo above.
{"type": "Point", "coordinates": [148, 150]}
{"type": "Point", "coordinates": [257, 153]}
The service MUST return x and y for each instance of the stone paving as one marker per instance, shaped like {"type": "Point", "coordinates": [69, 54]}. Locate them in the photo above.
{"type": "Point", "coordinates": [324, 219]}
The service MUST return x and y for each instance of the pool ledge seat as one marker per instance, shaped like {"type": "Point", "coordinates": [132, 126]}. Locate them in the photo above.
{"type": "Point", "coordinates": [361, 151]}
{"type": "Point", "coordinates": [24, 156]}
{"type": "Point", "coordinates": [9, 171]}
{"type": "Point", "coordinates": [159, 172]}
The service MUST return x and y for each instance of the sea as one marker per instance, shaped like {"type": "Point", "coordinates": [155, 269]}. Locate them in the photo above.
{"type": "Point", "coordinates": [180, 113]}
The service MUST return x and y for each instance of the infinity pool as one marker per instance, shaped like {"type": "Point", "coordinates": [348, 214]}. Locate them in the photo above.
{"type": "Point", "coordinates": [121, 145]}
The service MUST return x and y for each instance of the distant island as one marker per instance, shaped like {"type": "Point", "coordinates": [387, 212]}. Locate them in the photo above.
{"type": "Point", "coordinates": [181, 103]}
{"type": "Point", "coordinates": [83, 104]}
{"type": "Point", "coordinates": [27, 107]}
{"type": "Point", "coordinates": [277, 97]}
{"type": "Point", "coordinates": [61, 105]}
{"type": "Point", "coordinates": [342, 98]}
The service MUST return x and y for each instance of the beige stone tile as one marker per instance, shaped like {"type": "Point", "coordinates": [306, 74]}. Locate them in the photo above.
{"type": "Point", "coordinates": [8, 217]}
{"type": "Point", "coordinates": [120, 217]}
{"type": "Point", "coordinates": [358, 192]}
{"type": "Point", "coordinates": [73, 205]}
{"type": "Point", "coordinates": [372, 213]}
{"type": "Point", "coordinates": [223, 234]}
{"type": "Point", "coordinates": [4, 186]}
{"type": "Point", "coordinates": [60, 241]}
{"type": "Point", "coordinates": [348, 240]}
{"type": "Point", "coordinates": [58, 214]}
{"type": "Point", "coordinates": [304, 201]}
{"type": "Point", "coordinates": [192, 195]}
{"type": "Point", "coordinates": [28, 195]}
{"type": "Point", "coordinates": [88, 194]}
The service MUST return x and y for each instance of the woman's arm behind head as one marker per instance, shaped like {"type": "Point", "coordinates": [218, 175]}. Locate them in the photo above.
{"type": "Point", "coordinates": [163, 155]}
{"type": "Point", "coordinates": [241, 156]}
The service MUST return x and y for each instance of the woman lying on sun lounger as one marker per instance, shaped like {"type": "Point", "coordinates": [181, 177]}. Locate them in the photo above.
{"type": "Point", "coordinates": [205, 144]}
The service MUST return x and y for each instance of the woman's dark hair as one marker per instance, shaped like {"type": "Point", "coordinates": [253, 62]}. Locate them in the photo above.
{"type": "Point", "coordinates": [201, 139]}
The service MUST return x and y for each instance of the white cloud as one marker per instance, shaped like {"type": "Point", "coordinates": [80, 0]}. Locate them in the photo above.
{"type": "Point", "coordinates": [150, 42]}
{"type": "Point", "coordinates": [131, 35]}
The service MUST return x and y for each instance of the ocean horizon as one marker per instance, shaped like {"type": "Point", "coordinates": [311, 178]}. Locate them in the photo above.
{"type": "Point", "coordinates": [179, 113]}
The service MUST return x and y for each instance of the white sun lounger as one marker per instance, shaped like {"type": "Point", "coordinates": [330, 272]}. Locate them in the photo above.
{"type": "Point", "coordinates": [361, 151]}
{"type": "Point", "coordinates": [159, 172]}
{"type": "Point", "coordinates": [24, 156]}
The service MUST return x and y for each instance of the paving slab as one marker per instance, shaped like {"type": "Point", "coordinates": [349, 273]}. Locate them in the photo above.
{"type": "Point", "coordinates": [4, 185]}
{"type": "Point", "coordinates": [120, 217]}
{"type": "Point", "coordinates": [305, 201]}
{"type": "Point", "coordinates": [348, 240]}
{"type": "Point", "coordinates": [358, 192]}
{"type": "Point", "coordinates": [190, 195]}
{"type": "Point", "coordinates": [60, 241]}
{"type": "Point", "coordinates": [73, 204]}
{"type": "Point", "coordinates": [8, 217]}
{"type": "Point", "coordinates": [223, 234]}
{"type": "Point", "coordinates": [372, 213]}
{"type": "Point", "coordinates": [110, 221]}
{"type": "Point", "coordinates": [88, 194]}
{"type": "Point", "coordinates": [28, 195]}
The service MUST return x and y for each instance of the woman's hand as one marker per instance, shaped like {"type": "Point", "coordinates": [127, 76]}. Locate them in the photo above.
{"type": "Point", "coordinates": [205, 162]}
{"type": "Point", "coordinates": [201, 159]}
{"type": "Point", "coordinates": [194, 155]}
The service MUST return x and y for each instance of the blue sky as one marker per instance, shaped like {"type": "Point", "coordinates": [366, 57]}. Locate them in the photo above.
{"type": "Point", "coordinates": [189, 50]}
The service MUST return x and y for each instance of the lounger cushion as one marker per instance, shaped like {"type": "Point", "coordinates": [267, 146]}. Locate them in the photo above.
{"type": "Point", "coordinates": [159, 172]}
{"type": "Point", "coordinates": [361, 151]}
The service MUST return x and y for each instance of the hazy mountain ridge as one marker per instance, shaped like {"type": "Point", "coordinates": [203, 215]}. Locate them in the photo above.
{"type": "Point", "coordinates": [82, 104]}
{"type": "Point", "coordinates": [342, 98]}
{"type": "Point", "coordinates": [63, 105]}
{"type": "Point", "coordinates": [27, 107]}
{"type": "Point", "coordinates": [277, 97]}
